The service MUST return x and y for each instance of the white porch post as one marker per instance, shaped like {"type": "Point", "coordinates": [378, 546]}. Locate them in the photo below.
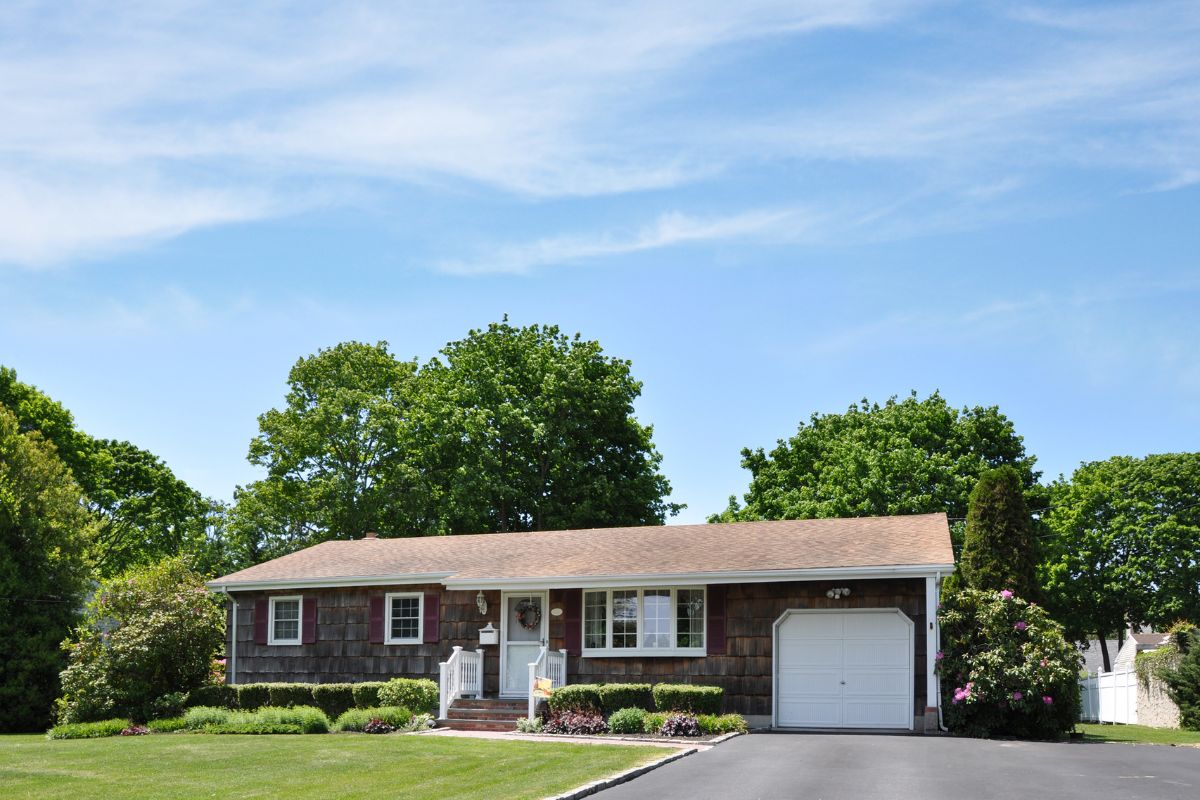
{"type": "Point", "coordinates": [442, 689]}
{"type": "Point", "coordinates": [479, 694]}
{"type": "Point", "coordinates": [932, 700]}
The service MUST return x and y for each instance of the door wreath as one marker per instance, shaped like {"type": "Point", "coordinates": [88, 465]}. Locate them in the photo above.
{"type": "Point", "coordinates": [529, 614]}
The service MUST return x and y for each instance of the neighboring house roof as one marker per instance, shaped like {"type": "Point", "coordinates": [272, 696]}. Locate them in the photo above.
{"type": "Point", "coordinates": [1138, 643]}
{"type": "Point", "coordinates": [1093, 658]}
{"type": "Point", "coordinates": [1150, 641]}
{"type": "Point", "coordinates": [733, 551]}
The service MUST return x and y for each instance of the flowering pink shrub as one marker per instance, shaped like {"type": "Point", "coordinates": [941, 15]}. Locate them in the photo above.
{"type": "Point", "coordinates": [1006, 668]}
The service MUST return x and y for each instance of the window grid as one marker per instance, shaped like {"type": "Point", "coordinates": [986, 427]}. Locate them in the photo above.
{"type": "Point", "coordinates": [404, 618]}
{"type": "Point", "coordinates": [667, 619]}
{"type": "Point", "coordinates": [285, 620]}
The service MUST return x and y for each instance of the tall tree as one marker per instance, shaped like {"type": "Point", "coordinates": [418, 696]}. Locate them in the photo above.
{"type": "Point", "coordinates": [999, 548]}
{"type": "Point", "coordinates": [143, 511]}
{"type": "Point", "coordinates": [44, 533]}
{"type": "Point", "coordinates": [906, 456]}
{"type": "Point", "coordinates": [535, 430]}
{"type": "Point", "coordinates": [339, 455]}
{"type": "Point", "coordinates": [1124, 547]}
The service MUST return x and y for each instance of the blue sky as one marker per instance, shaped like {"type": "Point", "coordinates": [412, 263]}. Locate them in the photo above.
{"type": "Point", "coordinates": [770, 208]}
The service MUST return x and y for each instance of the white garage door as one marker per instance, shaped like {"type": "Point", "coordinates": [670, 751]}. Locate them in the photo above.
{"type": "Point", "coordinates": [844, 669]}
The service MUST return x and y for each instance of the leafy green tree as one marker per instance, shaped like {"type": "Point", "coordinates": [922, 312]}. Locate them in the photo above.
{"type": "Point", "coordinates": [1123, 548]}
{"type": "Point", "coordinates": [340, 454]}
{"type": "Point", "coordinates": [534, 430]}
{"type": "Point", "coordinates": [906, 456]}
{"type": "Point", "coordinates": [999, 548]}
{"type": "Point", "coordinates": [143, 511]}
{"type": "Point", "coordinates": [147, 633]}
{"type": "Point", "coordinates": [44, 532]}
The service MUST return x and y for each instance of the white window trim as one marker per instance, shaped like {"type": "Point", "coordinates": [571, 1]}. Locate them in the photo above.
{"type": "Point", "coordinates": [641, 652]}
{"type": "Point", "coordinates": [387, 618]}
{"type": "Point", "coordinates": [271, 640]}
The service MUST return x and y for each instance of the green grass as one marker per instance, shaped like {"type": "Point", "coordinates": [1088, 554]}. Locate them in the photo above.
{"type": "Point", "coordinates": [186, 765]}
{"type": "Point", "coordinates": [1137, 734]}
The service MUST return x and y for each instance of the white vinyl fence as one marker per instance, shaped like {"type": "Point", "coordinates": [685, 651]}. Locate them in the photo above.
{"type": "Point", "coordinates": [1109, 697]}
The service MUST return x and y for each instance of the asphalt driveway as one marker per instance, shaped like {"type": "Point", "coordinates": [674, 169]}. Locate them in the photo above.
{"type": "Point", "coordinates": [863, 767]}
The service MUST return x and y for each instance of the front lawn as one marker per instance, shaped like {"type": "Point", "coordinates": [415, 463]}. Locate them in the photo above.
{"type": "Point", "coordinates": [343, 766]}
{"type": "Point", "coordinates": [1137, 734]}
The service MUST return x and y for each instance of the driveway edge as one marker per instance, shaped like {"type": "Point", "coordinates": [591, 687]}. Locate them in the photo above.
{"type": "Point", "coordinates": [622, 777]}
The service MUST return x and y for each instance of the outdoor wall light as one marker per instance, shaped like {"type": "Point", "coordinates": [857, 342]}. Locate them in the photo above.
{"type": "Point", "coordinates": [838, 593]}
{"type": "Point", "coordinates": [481, 602]}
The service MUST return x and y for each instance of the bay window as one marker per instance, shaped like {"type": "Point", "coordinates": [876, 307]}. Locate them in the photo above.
{"type": "Point", "coordinates": [668, 621]}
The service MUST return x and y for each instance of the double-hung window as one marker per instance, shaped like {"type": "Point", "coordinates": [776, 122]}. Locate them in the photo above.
{"type": "Point", "coordinates": [404, 617]}
{"type": "Point", "coordinates": [284, 625]}
{"type": "Point", "coordinates": [667, 621]}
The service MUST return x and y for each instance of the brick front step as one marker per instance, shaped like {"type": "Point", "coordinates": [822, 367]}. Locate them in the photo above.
{"type": "Point", "coordinates": [490, 703]}
{"type": "Point", "coordinates": [478, 724]}
{"type": "Point", "coordinates": [484, 713]}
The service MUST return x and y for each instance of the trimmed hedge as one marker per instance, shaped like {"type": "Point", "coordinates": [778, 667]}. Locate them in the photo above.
{"type": "Point", "coordinates": [334, 699]}
{"type": "Point", "coordinates": [420, 694]}
{"type": "Point", "coordinates": [286, 695]}
{"type": "Point", "coordinates": [253, 695]}
{"type": "Point", "coordinates": [576, 697]}
{"type": "Point", "coordinates": [366, 695]}
{"type": "Point", "coordinates": [218, 696]}
{"type": "Point", "coordinates": [616, 696]}
{"type": "Point", "coordinates": [356, 719]}
{"type": "Point", "coordinates": [688, 698]}
{"type": "Point", "coordinates": [88, 730]}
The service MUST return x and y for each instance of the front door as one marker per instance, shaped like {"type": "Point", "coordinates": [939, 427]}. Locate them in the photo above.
{"type": "Point", "coordinates": [522, 635]}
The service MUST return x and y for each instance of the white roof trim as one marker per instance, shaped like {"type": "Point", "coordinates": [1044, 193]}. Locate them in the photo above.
{"type": "Point", "coordinates": [590, 581]}
{"type": "Point", "coordinates": [319, 583]}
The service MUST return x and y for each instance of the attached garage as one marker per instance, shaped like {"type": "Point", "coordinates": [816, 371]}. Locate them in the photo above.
{"type": "Point", "coordinates": [848, 668]}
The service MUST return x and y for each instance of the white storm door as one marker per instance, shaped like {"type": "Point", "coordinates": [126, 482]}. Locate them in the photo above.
{"type": "Point", "coordinates": [522, 635]}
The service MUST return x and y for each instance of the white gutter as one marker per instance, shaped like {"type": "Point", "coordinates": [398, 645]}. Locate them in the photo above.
{"type": "Point", "coordinates": [587, 581]}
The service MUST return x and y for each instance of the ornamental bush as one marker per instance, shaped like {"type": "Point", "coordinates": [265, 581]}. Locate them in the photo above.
{"type": "Point", "coordinates": [680, 725]}
{"type": "Point", "coordinates": [713, 725]}
{"type": "Point", "coordinates": [576, 723]}
{"type": "Point", "coordinates": [688, 698]}
{"type": "Point", "coordinates": [420, 695]}
{"type": "Point", "coordinates": [576, 697]}
{"type": "Point", "coordinates": [1183, 683]}
{"type": "Point", "coordinates": [146, 633]}
{"type": "Point", "coordinates": [356, 719]}
{"type": "Point", "coordinates": [616, 696]}
{"type": "Point", "coordinates": [220, 695]}
{"type": "Point", "coordinates": [1006, 669]}
{"type": "Point", "coordinates": [653, 721]}
{"type": "Point", "coordinates": [253, 695]}
{"type": "Point", "coordinates": [627, 720]}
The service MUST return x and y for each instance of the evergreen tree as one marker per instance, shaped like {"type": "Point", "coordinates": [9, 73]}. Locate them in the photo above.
{"type": "Point", "coordinates": [999, 545]}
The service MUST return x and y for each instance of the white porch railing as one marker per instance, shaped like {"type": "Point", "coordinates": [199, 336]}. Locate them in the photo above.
{"type": "Point", "coordinates": [1109, 697]}
{"type": "Point", "coordinates": [461, 675]}
{"type": "Point", "coordinates": [550, 664]}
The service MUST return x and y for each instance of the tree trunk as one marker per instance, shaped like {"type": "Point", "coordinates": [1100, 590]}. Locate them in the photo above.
{"type": "Point", "coordinates": [1104, 653]}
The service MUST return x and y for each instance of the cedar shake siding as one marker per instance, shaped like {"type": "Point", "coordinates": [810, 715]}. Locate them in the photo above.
{"type": "Point", "coordinates": [342, 650]}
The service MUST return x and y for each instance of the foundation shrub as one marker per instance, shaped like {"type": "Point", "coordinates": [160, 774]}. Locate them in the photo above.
{"type": "Point", "coordinates": [714, 725]}
{"type": "Point", "coordinates": [576, 697]}
{"type": "Point", "coordinates": [688, 698]}
{"type": "Point", "coordinates": [627, 720]}
{"type": "Point", "coordinates": [616, 696]}
{"type": "Point", "coordinates": [419, 695]}
{"type": "Point", "coordinates": [285, 695]}
{"type": "Point", "coordinates": [253, 695]}
{"type": "Point", "coordinates": [576, 723]}
{"type": "Point", "coordinates": [356, 719]}
{"type": "Point", "coordinates": [219, 695]}
{"type": "Point", "coordinates": [366, 694]}
{"type": "Point", "coordinates": [333, 698]}
{"type": "Point", "coordinates": [680, 725]}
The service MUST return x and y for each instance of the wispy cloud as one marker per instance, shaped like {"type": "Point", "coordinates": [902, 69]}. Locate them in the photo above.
{"type": "Point", "coordinates": [168, 117]}
{"type": "Point", "coordinates": [668, 230]}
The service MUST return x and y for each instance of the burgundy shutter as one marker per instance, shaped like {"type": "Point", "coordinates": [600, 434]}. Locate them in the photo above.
{"type": "Point", "coordinates": [261, 612]}
{"type": "Point", "coordinates": [573, 621]}
{"type": "Point", "coordinates": [716, 620]}
{"type": "Point", "coordinates": [429, 625]}
{"type": "Point", "coordinates": [375, 634]}
{"type": "Point", "coordinates": [309, 625]}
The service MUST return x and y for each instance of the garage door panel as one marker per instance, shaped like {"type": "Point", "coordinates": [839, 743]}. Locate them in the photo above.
{"type": "Point", "coordinates": [810, 626]}
{"type": "Point", "coordinates": [885, 653]}
{"type": "Point", "coordinates": [850, 670]}
{"type": "Point", "coordinates": [810, 653]}
{"type": "Point", "coordinates": [893, 683]}
{"type": "Point", "coordinates": [812, 714]}
{"type": "Point", "coordinates": [877, 714]}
